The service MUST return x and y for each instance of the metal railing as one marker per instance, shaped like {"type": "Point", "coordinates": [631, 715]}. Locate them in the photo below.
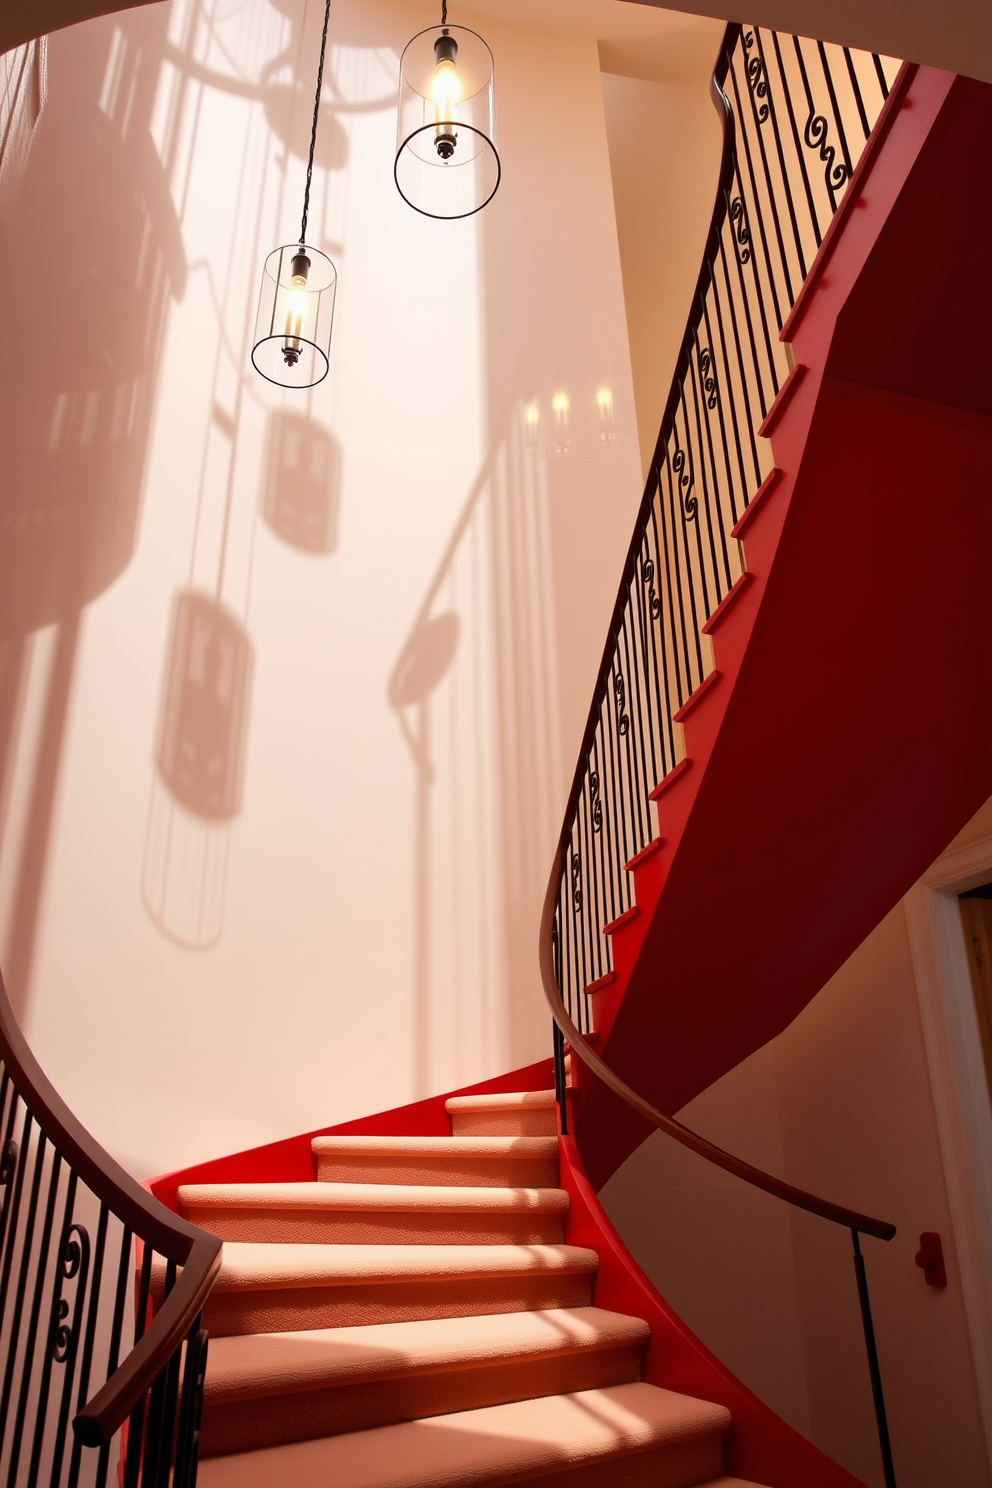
{"type": "Point", "coordinates": [796, 116]}
{"type": "Point", "coordinates": [101, 1291]}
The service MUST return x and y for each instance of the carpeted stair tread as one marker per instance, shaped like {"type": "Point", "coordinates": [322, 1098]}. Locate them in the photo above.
{"type": "Point", "coordinates": [506, 1100]}
{"type": "Point", "coordinates": [509, 1146]}
{"type": "Point", "coordinates": [633, 1434]}
{"type": "Point", "coordinates": [377, 1213]}
{"type": "Point", "coordinates": [277, 1288]}
{"type": "Point", "coordinates": [393, 1196]}
{"type": "Point", "coordinates": [507, 1161]}
{"type": "Point", "coordinates": [261, 1267]}
{"type": "Point", "coordinates": [275, 1363]}
{"type": "Point", "coordinates": [522, 1113]}
{"type": "Point", "coordinates": [271, 1389]}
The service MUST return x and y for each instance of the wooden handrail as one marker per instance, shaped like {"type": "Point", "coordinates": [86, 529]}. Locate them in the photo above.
{"type": "Point", "coordinates": [850, 1218]}
{"type": "Point", "coordinates": [198, 1253]}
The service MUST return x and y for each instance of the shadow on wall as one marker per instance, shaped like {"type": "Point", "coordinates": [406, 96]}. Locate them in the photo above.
{"type": "Point", "coordinates": [90, 252]}
{"type": "Point", "coordinates": [474, 690]}
{"type": "Point", "coordinates": [205, 702]}
{"type": "Point", "coordinates": [301, 495]}
{"type": "Point", "coordinates": [200, 760]}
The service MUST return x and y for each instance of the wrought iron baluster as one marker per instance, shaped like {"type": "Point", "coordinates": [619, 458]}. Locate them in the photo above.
{"type": "Point", "coordinates": [89, 1341]}
{"type": "Point", "coordinates": [747, 415]}
{"type": "Point", "coordinates": [770, 195]}
{"type": "Point", "coordinates": [786, 183]}
{"type": "Point", "coordinates": [752, 260]}
{"type": "Point", "coordinates": [800, 156]}
{"type": "Point", "coordinates": [856, 90]}
{"type": "Point", "coordinates": [34, 1318]}
{"type": "Point", "coordinates": [828, 78]}
{"type": "Point", "coordinates": [116, 1330]}
{"type": "Point", "coordinates": [730, 402]}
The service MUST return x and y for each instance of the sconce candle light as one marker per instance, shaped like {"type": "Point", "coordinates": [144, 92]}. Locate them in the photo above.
{"type": "Point", "coordinates": [292, 339]}
{"type": "Point", "coordinates": [446, 161]}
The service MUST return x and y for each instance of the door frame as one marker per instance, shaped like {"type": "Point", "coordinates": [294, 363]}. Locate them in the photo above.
{"type": "Point", "coordinates": [960, 1089]}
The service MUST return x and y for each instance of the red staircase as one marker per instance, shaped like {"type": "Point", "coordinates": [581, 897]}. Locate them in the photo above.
{"type": "Point", "coordinates": [845, 738]}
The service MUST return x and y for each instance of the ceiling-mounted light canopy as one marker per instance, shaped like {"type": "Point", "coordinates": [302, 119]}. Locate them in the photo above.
{"type": "Point", "coordinates": [292, 339]}
{"type": "Point", "coordinates": [446, 160]}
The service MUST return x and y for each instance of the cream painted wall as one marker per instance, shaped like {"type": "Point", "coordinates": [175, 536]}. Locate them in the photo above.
{"type": "Point", "coordinates": [419, 686]}
{"type": "Point", "coordinates": [840, 1104]}
{"type": "Point", "coordinates": [663, 196]}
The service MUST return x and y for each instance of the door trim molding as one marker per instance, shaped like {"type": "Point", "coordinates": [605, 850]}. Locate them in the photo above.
{"type": "Point", "coordinates": [958, 1079]}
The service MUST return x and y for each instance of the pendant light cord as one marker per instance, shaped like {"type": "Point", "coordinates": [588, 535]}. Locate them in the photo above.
{"type": "Point", "coordinates": [316, 114]}
{"type": "Point", "coordinates": [444, 12]}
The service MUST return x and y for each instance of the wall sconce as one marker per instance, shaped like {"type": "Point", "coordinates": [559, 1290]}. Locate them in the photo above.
{"type": "Point", "coordinates": [295, 316]}
{"type": "Point", "coordinates": [446, 160]}
{"type": "Point", "coordinates": [604, 403]}
{"type": "Point", "coordinates": [559, 407]}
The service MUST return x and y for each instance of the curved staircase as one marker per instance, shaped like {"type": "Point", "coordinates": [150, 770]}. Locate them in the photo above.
{"type": "Point", "coordinates": [412, 1317]}
{"type": "Point", "coordinates": [433, 1296]}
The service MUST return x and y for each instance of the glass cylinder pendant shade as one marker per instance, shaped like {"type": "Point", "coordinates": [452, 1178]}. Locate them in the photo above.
{"type": "Point", "coordinates": [292, 336]}
{"type": "Point", "coordinates": [446, 160]}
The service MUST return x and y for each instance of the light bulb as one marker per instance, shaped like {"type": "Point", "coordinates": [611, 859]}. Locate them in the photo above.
{"type": "Point", "coordinates": [446, 92]}
{"type": "Point", "coordinates": [297, 304]}
{"type": "Point", "coordinates": [531, 419]}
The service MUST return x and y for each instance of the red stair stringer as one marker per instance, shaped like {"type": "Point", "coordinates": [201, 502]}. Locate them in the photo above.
{"type": "Point", "coordinates": [844, 744]}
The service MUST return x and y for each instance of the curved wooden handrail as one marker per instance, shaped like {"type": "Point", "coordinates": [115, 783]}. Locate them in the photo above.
{"type": "Point", "coordinates": [198, 1253]}
{"type": "Point", "coordinates": [837, 1213]}
{"type": "Point", "coordinates": [850, 1218]}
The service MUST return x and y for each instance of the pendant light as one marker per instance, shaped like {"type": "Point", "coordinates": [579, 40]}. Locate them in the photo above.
{"type": "Point", "coordinates": [292, 337]}
{"type": "Point", "coordinates": [446, 160]}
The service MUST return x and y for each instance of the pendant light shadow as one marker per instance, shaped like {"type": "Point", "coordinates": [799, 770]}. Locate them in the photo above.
{"type": "Point", "coordinates": [199, 769]}
{"type": "Point", "coordinates": [302, 487]}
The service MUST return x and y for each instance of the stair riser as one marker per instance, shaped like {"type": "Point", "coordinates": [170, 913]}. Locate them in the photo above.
{"type": "Point", "coordinates": [454, 1171]}
{"type": "Point", "coordinates": [382, 1229]}
{"type": "Point", "coordinates": [678, 1466]}
{"type": "Point", "coordinates": [538, 1122]}
{"type": "Point", "coordinates": [285, 1309]}
{"type": "Point", "coordinates": [246, 1425]}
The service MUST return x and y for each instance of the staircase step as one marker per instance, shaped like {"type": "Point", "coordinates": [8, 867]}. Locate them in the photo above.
{"type": "Point", "coordinates": [636, 1434]}
{"type": "Point", "coordinates": [529, 1113]}
{"type": "Point", "coordinates": [271, 1389]}
{"type": "Point", "coordinates": [376, 1213]}
{"type": "Point", "coordinates": [266, 1288]}
{"type": "Point", "coordinates": [478, 1162]}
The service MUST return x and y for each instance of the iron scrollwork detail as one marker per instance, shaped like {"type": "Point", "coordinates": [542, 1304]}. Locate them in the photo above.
{"type": "Point", "coordinates": [741, 231]}
{"type": "Point", "coordinates": [647, 574]}
{"type": "Point", "coordinates": [74, 1265]}
{"type": "Point", "coordinates": [576, 883]}
{"type": "Point", "coordinates": [8, 1163]}
{"type": "Point", "coordinates": [596, 802]}
{"type": "Point", "coordinates": [623, 717]}
{"type": "Point", "coordinates": [707, 376]}
{"type": "Point", "coordinates": [682, 466]}
{"type": "Point", "coordinates": [756, 79]}
{"type": "Point", "coordinates": [835, 172]}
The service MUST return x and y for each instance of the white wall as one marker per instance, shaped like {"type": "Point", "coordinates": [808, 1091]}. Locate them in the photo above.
{"type": "Point", "coordinates": [385, 872]}
{"type": "Point", "coordinates": [840, 1104]}
{"type": "Point", "coordinates": [663, 195]}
